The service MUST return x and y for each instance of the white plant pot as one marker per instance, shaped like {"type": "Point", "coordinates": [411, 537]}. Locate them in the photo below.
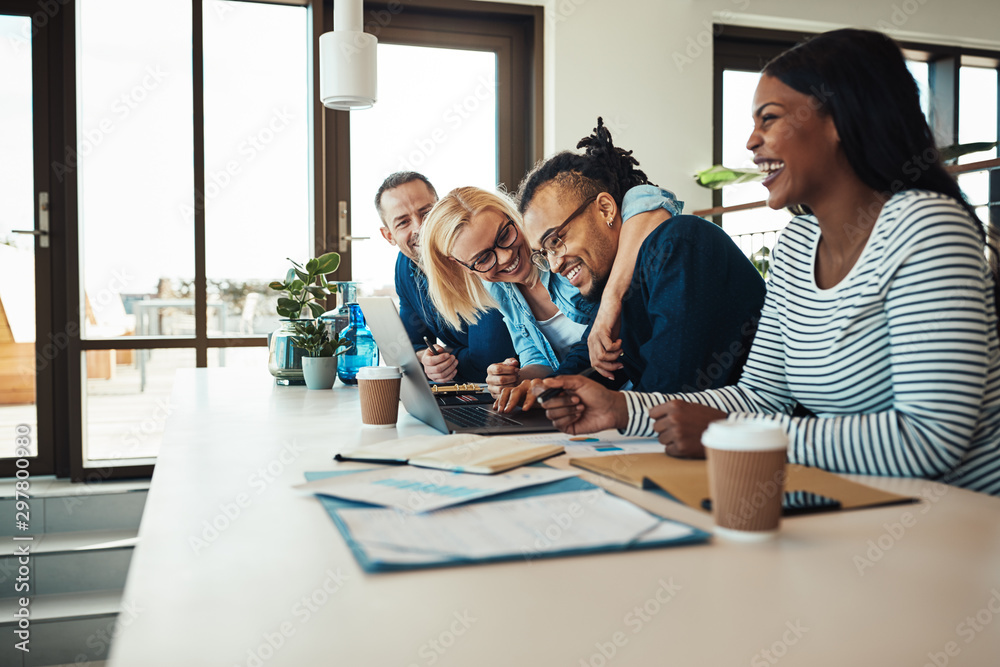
{"type": "Point", "coordinates": [319, 372]}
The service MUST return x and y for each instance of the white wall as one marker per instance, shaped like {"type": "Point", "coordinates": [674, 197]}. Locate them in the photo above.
{"type": "Point", "coordinates": [625, 60]}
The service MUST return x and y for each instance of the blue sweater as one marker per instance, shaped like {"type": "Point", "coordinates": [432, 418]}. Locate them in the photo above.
{"type": "Point", "coordinates": [485, 342]}
{"type": "Point", "coordinates": [691, 311]}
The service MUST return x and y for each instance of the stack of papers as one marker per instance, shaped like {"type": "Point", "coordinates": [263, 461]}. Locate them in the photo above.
{"type": "Point", "coordinates": [419, 490]}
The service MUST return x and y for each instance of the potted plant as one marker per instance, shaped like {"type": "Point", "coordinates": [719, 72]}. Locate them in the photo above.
{"type": "Point", "coordinates": [303, 287]}
{"type": "Point", "coordinates": [319, 365]}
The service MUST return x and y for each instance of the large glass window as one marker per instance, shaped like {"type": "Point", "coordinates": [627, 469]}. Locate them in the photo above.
{"type": "Point", "coordinates": [138, 197]}
{"type": "Point", "coordinates": [257, 175]}
{"type": "Point", "coordinates": [444, 127]}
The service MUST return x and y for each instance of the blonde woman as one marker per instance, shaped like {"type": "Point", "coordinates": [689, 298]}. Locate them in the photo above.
{"type": "Point", "coordinates": [474, 252]}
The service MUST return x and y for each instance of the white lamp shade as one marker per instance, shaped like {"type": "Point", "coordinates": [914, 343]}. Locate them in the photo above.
{"type": "Point", "coordinates": [347, 69]}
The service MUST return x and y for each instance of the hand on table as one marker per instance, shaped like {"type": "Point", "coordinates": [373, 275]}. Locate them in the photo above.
{"type": "Point", "coordinates": [584, 406]}
{"type": "Point", "coordinates": [511, 397]}
{"type": "Point", "coordinates": [679, 426]}
{"type": "Point", "coordinates": [441, 367]}
{"type": "Point", "coordinates": [506, 374]}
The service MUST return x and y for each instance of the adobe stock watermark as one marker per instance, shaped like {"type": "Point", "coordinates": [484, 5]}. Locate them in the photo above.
{"type": "Point", "coordinates": [59, 341]}
{"type": "Point", "coordinates": [634, 620]}
{"type": "Point", "coordinates": [483, 95]}
{"type": "Point", "coordinates": [99, 642]}
{"type": "Point", "coordinates": [561, 522]}
{"type": "Point", "coordinates": [900, 15]}
{"type": "Point", "coordinates": [123, 107]}
{"type": "Point", "coordinates": [701, 42]}
{"type": "Point", "coordinates": [230, 511]}
{"type": "Point", "coordinates": [895, 531]}
{"type": "Point", "coordinates": [432, 649]}
{"type": "Point", "coordinates": [301, 612]}
{"type": "Point", "coordinates": [561, 10]}
{"type": "Point", "coordinates": [779, 649]}
{"type": "Point", "coordinates": [968, 629]}
{"type": "Point", "coordinates": [47, 10]}
{"type": "Point", "coordinates": [218, 179]}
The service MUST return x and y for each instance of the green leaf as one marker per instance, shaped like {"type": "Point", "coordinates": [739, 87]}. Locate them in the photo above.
{"type": "Point", "coordinates": [311, 266]}
{"type": "Point", "coordinates": [317, 292]}
{"type": "Point", "coordinates": [288, 312]}
{"type": "Point", "coordinates": [316, 308]}
{"type": "Point", "coordinates": [277, 286]}
{"type": "Point", "coordinates": [294, 263]}
{"type": "Point", "coordinates": [304, 277]}
{"type": "Point", "coordinates": [327, 263]}
{"type": "Point", "coordinates": [290, 276]}
{"type": "Point", "coordinates": [958, 150]}
{"type": "Point", "coordinates": [717, 176]}
{"type": "Point", "coordinates": [295, 287]}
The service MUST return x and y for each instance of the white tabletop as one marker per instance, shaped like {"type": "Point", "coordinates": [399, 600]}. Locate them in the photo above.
{"type": "Point", "coordinates": [275, 584]}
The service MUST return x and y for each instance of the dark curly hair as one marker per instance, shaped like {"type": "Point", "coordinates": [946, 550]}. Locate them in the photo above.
{"type": "Point", "coordinates": [602, 167]}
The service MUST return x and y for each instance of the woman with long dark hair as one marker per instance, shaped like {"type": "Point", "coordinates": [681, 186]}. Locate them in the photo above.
{"type": "Point", "coordinates": [881, 313]}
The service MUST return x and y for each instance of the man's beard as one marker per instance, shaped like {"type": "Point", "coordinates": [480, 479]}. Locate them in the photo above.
{"type": "Point", "coordinates": [597, 285]}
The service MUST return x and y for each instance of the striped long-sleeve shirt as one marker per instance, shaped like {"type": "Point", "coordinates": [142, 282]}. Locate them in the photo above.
{"type": "Point", "coordinates": [899, 361]}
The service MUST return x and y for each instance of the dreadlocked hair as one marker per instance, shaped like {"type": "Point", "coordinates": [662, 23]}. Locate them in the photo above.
{"type": "Point", "coordinates": [602, 167]}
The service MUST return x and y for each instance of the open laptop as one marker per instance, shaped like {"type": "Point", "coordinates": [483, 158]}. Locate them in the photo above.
{"type": "Point", "coordinates": [415, 392]}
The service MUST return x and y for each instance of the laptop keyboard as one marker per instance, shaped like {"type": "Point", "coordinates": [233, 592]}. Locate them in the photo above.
{"type": "Point", "coordinates": [477, 416]}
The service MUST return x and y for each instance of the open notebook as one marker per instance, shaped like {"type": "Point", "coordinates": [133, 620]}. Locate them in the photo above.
{"type": "Point", "coordinates": [463, 452]}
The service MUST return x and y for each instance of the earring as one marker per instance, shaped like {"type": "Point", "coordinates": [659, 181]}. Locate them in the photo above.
{"type": "Point", "coordinates": [611, 223]}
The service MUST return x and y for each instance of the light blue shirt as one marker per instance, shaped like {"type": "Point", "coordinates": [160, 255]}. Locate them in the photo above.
{"type": "Point", "coordinates": [530, 343]}
{"type": "Point", "coordinates": [644, 198]}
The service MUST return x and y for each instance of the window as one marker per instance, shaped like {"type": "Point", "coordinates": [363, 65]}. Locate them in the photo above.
{"type": "Point", "coordinates": [192, 160]}
{"type": "Point", "coordinates": [192, 192]}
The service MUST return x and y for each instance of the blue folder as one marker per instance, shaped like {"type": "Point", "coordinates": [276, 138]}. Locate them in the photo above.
{"type": "Point", "coordinates": [333, 507]}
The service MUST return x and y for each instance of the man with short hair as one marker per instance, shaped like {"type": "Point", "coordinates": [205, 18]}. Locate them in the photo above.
{"type": "Point", "coordinates": [402, 201]}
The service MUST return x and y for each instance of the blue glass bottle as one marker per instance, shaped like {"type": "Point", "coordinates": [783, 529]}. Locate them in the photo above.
{"type": "Point", "coordinates": [362, 350]}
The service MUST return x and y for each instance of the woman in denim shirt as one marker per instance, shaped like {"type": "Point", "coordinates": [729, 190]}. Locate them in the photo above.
{"type": "Point", "coordinates": [475, 255]}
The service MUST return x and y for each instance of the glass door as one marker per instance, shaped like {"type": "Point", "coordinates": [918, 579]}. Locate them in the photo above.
{"type": "Point", "coordinates": [27, 346]}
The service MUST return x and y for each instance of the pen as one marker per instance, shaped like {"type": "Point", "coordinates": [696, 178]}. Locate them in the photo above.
{"type": "Point", "coordinates": [556, 391]}
{"type": "Point", "coordinates": [431, 346]}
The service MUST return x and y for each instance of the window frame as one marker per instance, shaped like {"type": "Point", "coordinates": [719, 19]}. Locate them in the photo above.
{"type": "Point", "coordinates": [48, 263]}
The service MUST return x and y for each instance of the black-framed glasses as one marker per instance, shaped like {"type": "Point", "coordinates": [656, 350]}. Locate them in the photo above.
{"type": "Point", "coordinates": [552, 243]}
{"type": "Point", "coordinates": [486, 260]}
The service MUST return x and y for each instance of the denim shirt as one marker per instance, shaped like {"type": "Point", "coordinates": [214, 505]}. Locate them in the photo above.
{"type": "Point", "coordinates": [475, 346]}
{"type": "Point", "coordinates": [644, 198]}
{"type": "Point", "coordinates": [530, 344]}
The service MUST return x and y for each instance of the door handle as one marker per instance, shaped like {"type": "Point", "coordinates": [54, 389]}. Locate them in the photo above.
{"type": "Point", "coordinates": [344, 239]}
{"type": "Point", "coordinates": [43, 222]}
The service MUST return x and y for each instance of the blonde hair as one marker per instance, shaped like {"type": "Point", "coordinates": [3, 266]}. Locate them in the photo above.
{"type": "Point", "coordinates": [457, 293]}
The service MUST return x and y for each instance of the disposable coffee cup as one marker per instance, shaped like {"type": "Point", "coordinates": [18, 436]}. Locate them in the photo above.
{"type": "Point", "coordinates": [746, 477]}
{"type": "Point", "coordinates": [379, 390]}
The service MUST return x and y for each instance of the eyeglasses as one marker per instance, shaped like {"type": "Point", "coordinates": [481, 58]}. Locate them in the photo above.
{"type": "Point", "coordinates": [506, 237]}
{"type": "Point", "coordinates": [552, 244]}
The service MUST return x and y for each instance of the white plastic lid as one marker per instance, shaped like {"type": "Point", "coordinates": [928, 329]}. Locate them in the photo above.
{"type": "Point", "coordinates": [746, 436]}
{"type": "Point", "coordinates": [379, 373]}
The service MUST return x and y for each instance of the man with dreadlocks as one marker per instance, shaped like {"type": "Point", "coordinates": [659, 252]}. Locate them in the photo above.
{"type": "Point", "coordinates": [688, 314]}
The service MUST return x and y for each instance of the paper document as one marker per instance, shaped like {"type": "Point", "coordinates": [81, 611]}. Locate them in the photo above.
{"type": "Point", "coordinates": [595, 445]}
{"type": "Point", "coordinates": [528, 527]}
{"type": "Point", "coordinates": [425, 490]}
